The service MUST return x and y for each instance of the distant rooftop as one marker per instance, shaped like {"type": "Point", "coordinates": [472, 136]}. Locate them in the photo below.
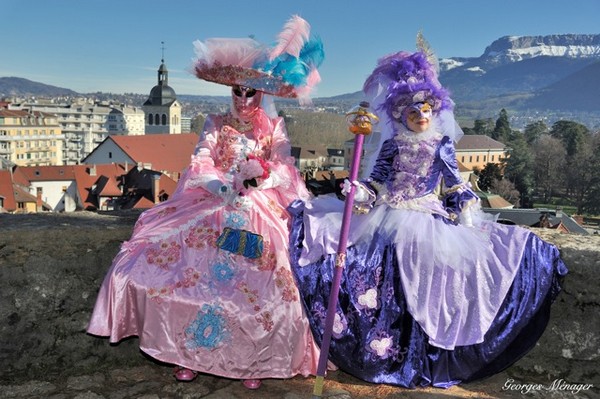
{"type": "Point", "coordinates": [478, 142]}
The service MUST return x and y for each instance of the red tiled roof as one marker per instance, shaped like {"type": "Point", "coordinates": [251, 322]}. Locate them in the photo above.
{"type": "Point", "coordinates": [143, 203]}
{"type": "Point", "coordinates": [106, 175]}
{"type": "Point", "coordinates": [471, 142]}
{"type": "Point", "coordinates": [167, 185]}
{"type": "Point", "coordinates": [19, 177]}
{"type": "Point", "coordinates": [21, 195]}
{"type": "Point", "coordinates": [166, 152]}
{"type": "Point", "coordinates": [47, 173]}
{"type": "Point", "coordinates": [111, 189]}
{"type": "Point", "coordinates": [7, 191]}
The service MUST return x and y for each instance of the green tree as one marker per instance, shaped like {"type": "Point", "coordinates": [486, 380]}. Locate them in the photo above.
{"type": "Point", "coordinates": [572, 134]}
{"type": "Point", "coordinates": [591, 203]}
{"type": "Point", "coordinates": [482, 127]}
{"type": "Point", "coordinates": [576, 140]}
{"type": "Point", "coordinates": [534, 131]}
{"type": "Point", "coordinates": [490, 172]}
{"type": "Point", "coordinates": [502, 131]}
{"type": "Point", "coordinates": [519, 168]}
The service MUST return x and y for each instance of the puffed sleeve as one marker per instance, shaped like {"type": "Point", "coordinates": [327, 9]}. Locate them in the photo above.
{"type": "Point", "coordinates": [202, 173]}
{"type": "Point", "coordinates": [279, 156]}
{"type": "Point", "coordinates": [283, 173]}
{"type": "Point", "coordinates": [367, 190]}
{"type": "Point", "coordinates": [458, 195]}
{"type": "Point", "coordinates": [383, 165]}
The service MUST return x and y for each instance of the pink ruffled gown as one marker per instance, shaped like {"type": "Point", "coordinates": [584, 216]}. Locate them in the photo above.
{"type": "Point", "coordinates": [201, 307]}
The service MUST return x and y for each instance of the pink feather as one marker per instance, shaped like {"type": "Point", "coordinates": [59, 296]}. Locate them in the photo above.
{"type": "Point", "coordinates": [291, 39]}
{"type": "Point", "coordinates": [313, 78]}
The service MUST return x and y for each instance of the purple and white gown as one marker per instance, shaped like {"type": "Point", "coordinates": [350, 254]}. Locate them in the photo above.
{"type": "Point", "coordinates": [424, 300]}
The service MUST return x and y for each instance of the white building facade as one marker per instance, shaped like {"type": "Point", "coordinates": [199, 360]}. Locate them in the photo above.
{"type": "Point", "coordinates": [85, 124]}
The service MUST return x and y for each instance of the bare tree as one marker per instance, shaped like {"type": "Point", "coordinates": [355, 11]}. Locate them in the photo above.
{"type": "Point", "coordinates": [582, 171]}
{"type": "Point", "coordinates": [506, 189]}
{"type": "Point", "coordinates": [549, 166]}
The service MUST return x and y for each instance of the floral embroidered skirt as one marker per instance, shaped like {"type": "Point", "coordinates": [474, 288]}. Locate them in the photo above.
{"type": "Point", "coordinates": [378, 335]}
{"type": "Point", "coordinates": [195, 305]}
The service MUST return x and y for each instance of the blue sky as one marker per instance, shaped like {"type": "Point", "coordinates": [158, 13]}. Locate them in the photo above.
{"type": "Point", "coordinates": [115, 45]}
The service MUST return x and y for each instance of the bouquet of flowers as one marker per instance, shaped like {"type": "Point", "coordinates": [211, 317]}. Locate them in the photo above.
{"type": "Point", "coordinates": [251, 170]}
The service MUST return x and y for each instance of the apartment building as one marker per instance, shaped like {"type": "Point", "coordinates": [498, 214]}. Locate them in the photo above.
{"type": "Point", "coordinates": [86, 123]}
{"type": "Point", "coordinates": [30, 138]}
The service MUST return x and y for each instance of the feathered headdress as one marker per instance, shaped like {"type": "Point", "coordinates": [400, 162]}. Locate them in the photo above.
{"type": "Point", "coordinates": [402, 79]}
{"type": "Point", "coordinates": [406, 78]}
{"type": "Point", "coordinates": [288, 69]}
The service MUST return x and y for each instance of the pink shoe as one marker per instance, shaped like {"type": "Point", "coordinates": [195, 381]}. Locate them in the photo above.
{"type": "Point", "coordinates": [185, 375]}
{"type": "Point", "coordinates": [252, 384]}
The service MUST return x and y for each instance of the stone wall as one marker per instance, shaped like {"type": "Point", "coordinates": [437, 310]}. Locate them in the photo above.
{"type": "Point", "coordinates": [51, 267]}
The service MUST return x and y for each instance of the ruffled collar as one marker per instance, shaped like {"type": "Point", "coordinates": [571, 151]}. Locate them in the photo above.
{"type": "Point", "coordinates": [404, 133]}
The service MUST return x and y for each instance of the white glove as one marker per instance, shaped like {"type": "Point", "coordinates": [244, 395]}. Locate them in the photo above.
{"type": "Point", "coordinates": [225, 191]}
{"type": "Point", "coordinates": [466, 219]}
{"type": "Point", "coordinates": [217, 187]}
{"type": "Point", "coordinates": [241, 202]}
{"type": "Point", "coordinates": [270, 182]}
{"type": "Point", "coordinates": [360, 194]}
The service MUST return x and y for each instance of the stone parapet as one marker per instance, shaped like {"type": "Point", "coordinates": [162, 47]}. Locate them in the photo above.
{"type": "Point", "coordinates": [51, 267]}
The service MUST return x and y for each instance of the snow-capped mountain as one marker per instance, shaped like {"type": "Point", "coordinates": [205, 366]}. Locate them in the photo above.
{"type": "Point", "coordinates": [521, 66]}
{"type": "Point", "coordinates": [511, 49]}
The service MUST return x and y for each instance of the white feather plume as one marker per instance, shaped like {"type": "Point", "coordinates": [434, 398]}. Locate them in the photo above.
{"type": "Point", "coordinates": [423, 46]}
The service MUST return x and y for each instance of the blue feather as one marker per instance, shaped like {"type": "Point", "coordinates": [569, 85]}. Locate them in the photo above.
{"type": "Point", "coordinates": [312, 52]}
{"type": "Point", "coordinates": [289, 68]}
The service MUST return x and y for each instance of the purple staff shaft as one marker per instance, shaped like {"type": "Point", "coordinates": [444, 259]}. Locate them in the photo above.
{"type": "Point", "coordinates": [340, 258]}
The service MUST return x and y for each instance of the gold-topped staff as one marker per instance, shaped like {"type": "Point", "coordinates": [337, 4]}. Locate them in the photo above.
{"type": "Point", "coordinates": [360, 122]}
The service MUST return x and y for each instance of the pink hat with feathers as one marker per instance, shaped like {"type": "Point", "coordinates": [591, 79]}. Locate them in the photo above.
{"type": "Point", "coordinates": [288, 69]}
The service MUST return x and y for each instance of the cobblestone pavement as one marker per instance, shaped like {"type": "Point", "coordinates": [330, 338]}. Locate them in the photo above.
{"type": "Point", "coordinates": [153, 381]}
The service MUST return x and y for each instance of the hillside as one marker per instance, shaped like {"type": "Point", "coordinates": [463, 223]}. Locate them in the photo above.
{"type": "Point", "coordinates": [13, 86]}
{"type": "Point", "coordinates": [555, 74]}
{"type": "Point", "coordinates": [580, 88]}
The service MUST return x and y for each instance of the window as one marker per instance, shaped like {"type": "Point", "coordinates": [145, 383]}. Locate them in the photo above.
{"type": "Point", "coordinates": [164, 119]}
{"type": "Point", "coordinates": [150, 119]}
{"type": "Point", "coordinates": [493, 158]}
{"type": "Point", "coordinates": [110, 154]}
{"type": "Point", "coordinates": [470, 158]}
{"type": "Point", "coordinates": [156, 119]}
{"type": "Point", "coordinates": [477, 158]}
{"type": "Point", "coordinates": [462, 159]}
{"type": "Point", "coordinates": [485, 158]}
